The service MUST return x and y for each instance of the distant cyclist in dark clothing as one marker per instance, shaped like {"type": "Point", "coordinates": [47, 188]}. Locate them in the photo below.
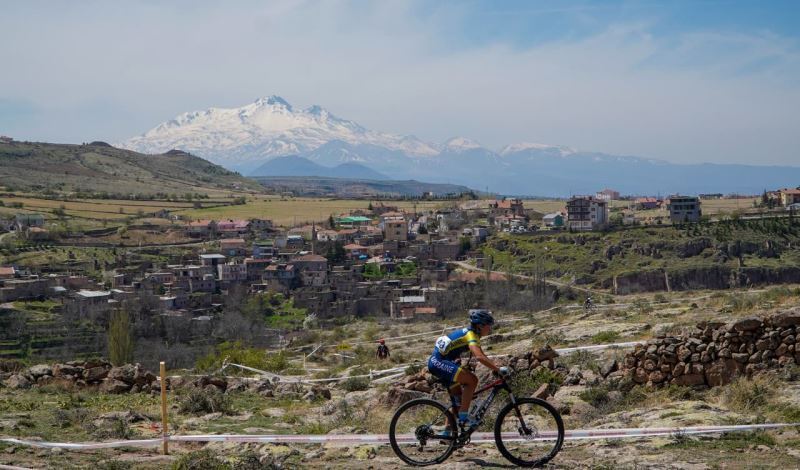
{"type": "Point", "coordinates": [383, 350]}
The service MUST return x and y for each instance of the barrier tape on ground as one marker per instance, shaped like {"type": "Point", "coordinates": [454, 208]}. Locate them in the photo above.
{"type": "Point", "coordinates": [573, 434]}
{"type": "Point", "coordinates": [11, 467]}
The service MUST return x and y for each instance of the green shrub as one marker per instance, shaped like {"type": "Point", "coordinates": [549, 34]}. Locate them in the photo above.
{"type": "Point", "coordinates": [607, 336]}
{"type": "Point", "coordinates": [413, 368]}
{"type": "Point", "coordinates": [250, 460]}
{"type": "Point", "coordinates": [237, 353]}
{"type": "Point", "coordinates": [200, 460]}
{"type": "Point", "coordinates": [585, 360]}
{"type": "Point", "coordinates": [595, 396]}
{"type": "Point", "coordinates": [370, 332]}
{"type": "Point", "coordinates": [117, 428]}
{"type": "Point", "coordinates": [354, 384]}
{"type": "Point", "coordinates": [749, 395]}
{"type": "Point", "coordinates": [525, 384]}
{"type": "Point", "coordinates": [72, 417]}
{"type": "Point", "coordinates": [199, 401]}
{"type": "Point", "coordinates": [552, 338]}
{"type": "Point", "coordinates": [114, 465]}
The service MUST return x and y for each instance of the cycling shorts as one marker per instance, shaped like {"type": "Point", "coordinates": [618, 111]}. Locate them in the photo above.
{"type": "Point", "coordinates": [444, 370]}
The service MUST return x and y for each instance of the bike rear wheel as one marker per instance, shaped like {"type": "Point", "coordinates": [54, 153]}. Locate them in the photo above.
{"type": "Point", "coordinates": [423, 432]}
{"type": "Point", "coordinates": [529, 433]}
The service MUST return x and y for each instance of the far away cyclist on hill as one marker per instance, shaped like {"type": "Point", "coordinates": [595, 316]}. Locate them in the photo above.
{"type": "Point", "coordinates": [448, 349]}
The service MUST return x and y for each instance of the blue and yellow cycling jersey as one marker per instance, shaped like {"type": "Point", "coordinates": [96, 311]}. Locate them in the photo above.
{"type": "Point", "coordinates": [451, 346]}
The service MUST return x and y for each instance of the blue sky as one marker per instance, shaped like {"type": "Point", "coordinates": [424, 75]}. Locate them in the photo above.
{"type": "Point", "coordinates": [715, 81]}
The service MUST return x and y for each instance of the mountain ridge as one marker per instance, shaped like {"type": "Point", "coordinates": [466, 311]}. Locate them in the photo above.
{"type": "Point", "coordinates": [293, 165]}
{"type": "Point", "coordinates": [246, 138]}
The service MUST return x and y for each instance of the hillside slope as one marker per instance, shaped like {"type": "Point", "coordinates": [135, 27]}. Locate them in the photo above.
{"type": "Point", "coordinates": [355, 188]}
{"type": "Point", "coordinates": [98, 167]}
{"type": "Point", "coordinates": [293, 165]}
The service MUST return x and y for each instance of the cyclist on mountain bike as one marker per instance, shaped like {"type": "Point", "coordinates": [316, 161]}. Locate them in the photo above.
{"type": "Point", "coordinates": [461, 382]}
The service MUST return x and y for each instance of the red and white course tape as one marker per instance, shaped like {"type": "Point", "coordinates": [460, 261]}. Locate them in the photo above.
{"type": "Point", "coordinates": [574, 434]}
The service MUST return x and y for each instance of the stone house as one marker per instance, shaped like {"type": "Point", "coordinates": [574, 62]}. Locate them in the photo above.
{"type": "Point", "coordinates": [255, 268]}
{"type": "Point", "coordinates": [507, 207]}
{"type": "Point", "coordinates": [280, 277]}
{"type": "Point", "coordinates": [233, 247]}
{"type": "Point", "coordinates": [232, 272]}
{"type": "Point", "coordinates": [445, 250]}
{"type": "Point", "coordinates": [395, 229]}
{"type": "Point", "coordinates": [312, 270]}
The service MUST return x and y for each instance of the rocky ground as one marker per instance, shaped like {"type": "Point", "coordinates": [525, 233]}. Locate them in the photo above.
{"type": "Point", "coordinates": [96, 402]}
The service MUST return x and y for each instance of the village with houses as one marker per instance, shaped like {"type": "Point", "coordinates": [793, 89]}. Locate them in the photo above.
{"type": "Point", "coordinates": [380, 261]}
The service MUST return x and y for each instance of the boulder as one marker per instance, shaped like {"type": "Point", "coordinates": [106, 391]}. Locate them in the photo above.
{"type": "Point", "coordinates": [124, 373]}
{"type": "Point", "coordinates": [542, 392]}
{"type": "Point", "coordinates": [689, 380]}
{"type": "Point", "coordinates": [66, 370]}
{"type": "Point", "coordinates": [92, 363]}
{"type": "Point", "coordinates": [397, 396]}
{"type": "Point", "coordinates": [95, 374]}
{"type": "Point", "coordinates": [127, 416]}
{"type": "Point", "coordinates": [787, 319]}
{"type": "Point", "coordinates": [110, 385]}
{"type": "Point", "coordinates": [18, 382]}
{"type": "Point", "coordinates": [745, 324]}
{"type": "Point", "coordinates": [320, 392]}
{"type": "Point", "coordinates": [722, 372]}
{"type": "Point", "coordinates": [656, 377]}
{"type": "Point", "coordinates": [217, 382]}
{"type": "Point", "coordinates": [420, 387]}
{"type": "Point", "coordinates": [740, 357]}
{"type": "Point", "coordinates": [609, 367]}
{"type": "Point", "coordinates": [574, 377]}
{"type": "Point", "coordinates": [546, 353]}
{"type": "Point", "coordinates": [40, 370]}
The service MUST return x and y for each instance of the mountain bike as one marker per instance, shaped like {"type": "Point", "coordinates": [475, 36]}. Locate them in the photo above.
{"type": "Point", "coordinates": [528, 432]}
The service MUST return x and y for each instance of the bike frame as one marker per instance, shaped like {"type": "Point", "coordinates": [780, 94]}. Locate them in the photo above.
{"type": "Point", "coordinates": [495, 387]}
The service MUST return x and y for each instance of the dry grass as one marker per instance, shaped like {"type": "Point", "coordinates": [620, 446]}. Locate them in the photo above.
{"type": "Point", "coordinates": [93, 208]}
{"type": "Point", "coordinates": [295, 211]}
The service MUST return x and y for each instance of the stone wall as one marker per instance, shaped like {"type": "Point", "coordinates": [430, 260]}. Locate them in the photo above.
{"type": "Point", "coordinates": [714, 353]}
{"type": "Point", "coordinates": [128, 378]}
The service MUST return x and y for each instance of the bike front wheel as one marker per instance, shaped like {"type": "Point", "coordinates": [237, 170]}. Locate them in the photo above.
{"type": "Point", "coordinates": [529, 433]}
{"type": "Point", "coordinates": [423, 432]}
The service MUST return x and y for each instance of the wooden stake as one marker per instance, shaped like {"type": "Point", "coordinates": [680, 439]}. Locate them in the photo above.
{"type": "Point", "coordinates": [164, 423]}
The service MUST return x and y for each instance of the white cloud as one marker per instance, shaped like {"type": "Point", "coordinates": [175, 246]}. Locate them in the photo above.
{"type": "Point", "coordinates": [97, 68]}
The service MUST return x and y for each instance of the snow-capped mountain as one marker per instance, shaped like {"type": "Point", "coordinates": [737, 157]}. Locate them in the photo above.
{"type": "Point", "coordinates": [269, 127]}
{"type": "Point", "coordinates": [246, 138]}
